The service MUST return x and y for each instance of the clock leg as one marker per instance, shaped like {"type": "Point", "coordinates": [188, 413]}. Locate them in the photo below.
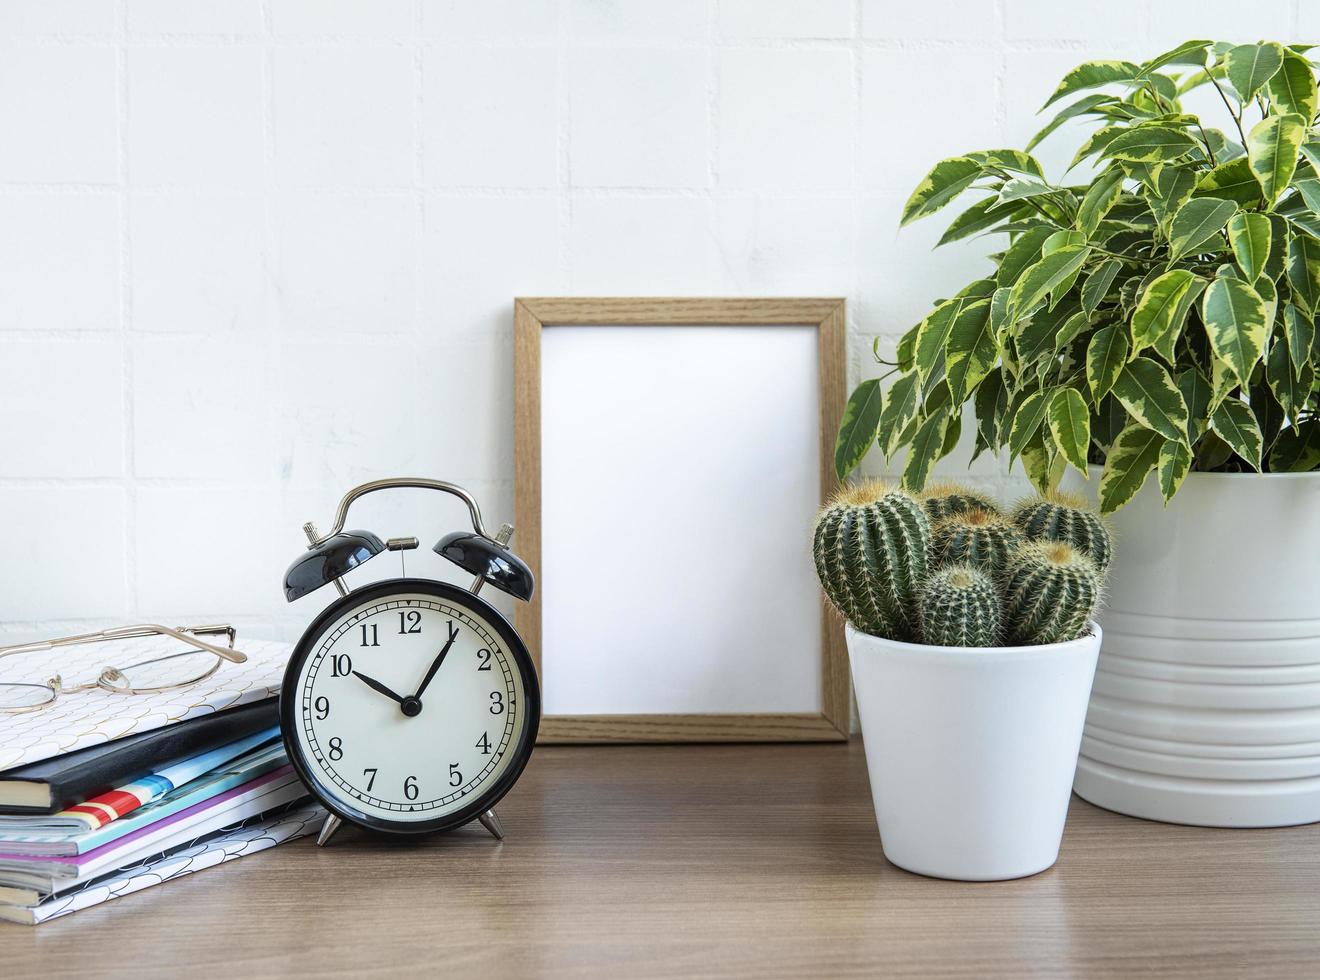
{"type": "Point", "coordinates": [327, 829]}
{"type": "Point", "coordinates": [492, 823]}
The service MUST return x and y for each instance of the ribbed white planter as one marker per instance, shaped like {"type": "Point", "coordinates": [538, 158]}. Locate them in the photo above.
{"type": "Point", "coordinates": [1206, 708]}
{"type": "Point", "coordinates": [971, 751]}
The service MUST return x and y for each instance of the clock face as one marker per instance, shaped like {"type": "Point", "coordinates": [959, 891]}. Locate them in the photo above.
{"type": "Point", "coordinates": [410, 705]}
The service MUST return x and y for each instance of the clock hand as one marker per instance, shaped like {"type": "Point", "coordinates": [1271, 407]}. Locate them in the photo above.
{"type": "Point", "coordinates": [376, 685]}
{"type": "Point", "coordinates": [439, 659]}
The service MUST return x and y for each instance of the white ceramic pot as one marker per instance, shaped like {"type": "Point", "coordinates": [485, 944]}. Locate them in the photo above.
{"type": "Point", "coordinates": [971, 751]}
{"type": "Point", "coordinates": [1206, 708]}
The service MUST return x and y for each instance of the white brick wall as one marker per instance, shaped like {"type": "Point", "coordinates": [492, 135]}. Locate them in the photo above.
{"type": "Point", "coordinates": [256, 251]}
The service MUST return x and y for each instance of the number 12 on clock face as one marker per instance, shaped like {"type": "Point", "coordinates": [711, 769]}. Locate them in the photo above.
{"type": "Point", "coordinates": [410, 706]}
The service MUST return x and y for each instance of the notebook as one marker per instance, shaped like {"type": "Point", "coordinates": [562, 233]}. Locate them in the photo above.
{"type": "Point", "coordinates": [76, 721]}
{"type": "Point", "coordinates": [25, 878]}
{"type": "Point", "coordinates": [248, 837]}
{"type": "Point", "coordinates": [54, 841]}
{"type": "Point", "coordinates": [64, 781]}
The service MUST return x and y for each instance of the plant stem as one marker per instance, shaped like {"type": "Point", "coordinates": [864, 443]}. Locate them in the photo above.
{"type": "Point", "coordinates": [1237, 117]}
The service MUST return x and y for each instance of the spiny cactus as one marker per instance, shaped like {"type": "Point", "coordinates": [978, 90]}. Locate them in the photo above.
{"type": "Point", "coordinates": [949, 499]}
{"type": "Point", "coordinates": [1065, 517]}
{"type": "Point", "coordinates": [871, 546]}
{"type": "Point", "coordinates": [977, 537]}
{"type": "Point", "coordinates": [960, 608]}
{"type": "Point", "coordinates": [1050, 592]}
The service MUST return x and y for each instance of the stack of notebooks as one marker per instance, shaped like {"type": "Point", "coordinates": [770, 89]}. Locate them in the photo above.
{"type": "Point", "coordinates": [102, 794]}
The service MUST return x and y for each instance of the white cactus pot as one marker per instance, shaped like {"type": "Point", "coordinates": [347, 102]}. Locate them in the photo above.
{"type": "Point", "coordinates": [971, 751]}
{"type": "Point", "coordinates": [1206, 708]}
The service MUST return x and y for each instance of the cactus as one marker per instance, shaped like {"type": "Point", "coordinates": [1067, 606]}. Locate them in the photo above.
{"type": "Point", "coordinates": [977, 537]}
{"type": "Point", "coordinates": [950, 499]}
{"type": "Point", "coordinates": [1050, 592]}
{"type": "Point", "coordinates": [960, 608]}
{"type": "Point", "coordinates": [1065, 517]}
{"type": "Point", "coordinates": [871, 546]}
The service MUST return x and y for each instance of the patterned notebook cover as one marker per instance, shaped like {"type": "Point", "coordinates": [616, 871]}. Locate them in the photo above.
{"type": "Point", "coordinates": [249, 837]}
{"type": "Point", "coordinates": [76, 721]}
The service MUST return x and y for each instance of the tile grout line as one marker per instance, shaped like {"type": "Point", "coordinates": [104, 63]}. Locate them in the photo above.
{"type": "Point", "coordinates": [563, 150]}
{"type": "Point", "coordinates": [127, 396]}
{"type": "Point", "coordinates": [853, 326]}
{"type": "Point", "coordinates": [419, 174]}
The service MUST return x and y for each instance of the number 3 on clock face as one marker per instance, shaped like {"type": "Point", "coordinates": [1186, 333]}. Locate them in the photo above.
{"type": "Point", "coordinates": [413, 708]}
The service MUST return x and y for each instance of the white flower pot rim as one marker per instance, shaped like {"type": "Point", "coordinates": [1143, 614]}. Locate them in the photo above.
{"type": "Point", "coordinates": [979, 654]}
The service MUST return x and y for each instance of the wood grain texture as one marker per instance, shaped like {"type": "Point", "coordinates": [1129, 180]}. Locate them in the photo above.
{"type": "Point", "coordinates": [707, 861]}
{"type": "Point", "coordinates": [531, 315]}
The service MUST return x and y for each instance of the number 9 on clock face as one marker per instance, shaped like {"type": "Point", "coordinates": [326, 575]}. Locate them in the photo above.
{"type": "Point", "coordinates": [410, 706]}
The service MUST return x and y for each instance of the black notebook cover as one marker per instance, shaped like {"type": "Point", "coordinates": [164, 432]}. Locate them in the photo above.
{"type": "Point", "coordinates": [74, 777]}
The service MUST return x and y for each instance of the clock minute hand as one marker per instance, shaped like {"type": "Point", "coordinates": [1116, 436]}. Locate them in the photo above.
{"type": "Point", "coordinates": [439, 659]}
{"type": "Point", "coordinates": [376, 685]}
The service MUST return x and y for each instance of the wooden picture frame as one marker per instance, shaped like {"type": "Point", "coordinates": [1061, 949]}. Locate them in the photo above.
{"type": "Point", "coordinates": [533, 315]}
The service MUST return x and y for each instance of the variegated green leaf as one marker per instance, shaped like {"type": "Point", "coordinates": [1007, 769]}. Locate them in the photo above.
{"type": "Point", "coordinates": [990, 405]}
{"type": "Point", "coordinates": [1195, 389]}
{"type": "Point", "coordinates": [1105, 358]}
{"type": "Point", "coordinates": [1149, 144]}
{"type": "Point", "coordinates": [1081, 107]}
{"type": "Point", "coordinates": [933, 335]}
{"type": "Point", "coordinates": [1293, 89]}
{"type": "Point", "coordinates": [1096, 142]}
{"type": "Point", "coordinates": [1022, 187]}
{"type": "Point", "coordinates": [1027, 421]}
{"type": "Point", "coordinates": [1127, 464]}
{"type": "Point", "coordinates": [946, 180]}
{"type": "Point", "coordinates": [1173, 188]}
{"type": "Point", "coordinates": [1017, 161]}
{"type": "Point", "coordinates": [1151, 398]}
{"type": "Point", "coordinates": [1297, 449]}
{"type": "Point", "coordinates": [1021, 255]}
{"type": "Point", "coordinates": [971, 351]}
{"type": "Point", "coordinates": [1172, 467]}
{"type": "Point", "coordinates": [1272, 148]}
{"type": "Point", "coordinates": [1070, 425]}
{"type": "Point", "coordinates": [1249, 235]}
{"type": "Point", "coordinates": [1291, 387]}
{"type": "Point", "coordinates": [1093, 74]}
{"type": "Point", "coordinates": [1038, 280]}
{"type": "Point", "coordinates": [1197, 223]}
{"type": "Point", "coordinates": [925, 449]}
{"type": "Point", "coordinates": [1252, 65]}
{"type": "Point", "coordinates": [1062, 239]}
{"type": "Point", "coordinates": [1233, 422]}
{"type": "Point", "coordinates": [1163, 307]}
{"type": "Point", "coordinates": [1231, 181]}
{"type": "Point", "coordinates": [1072, 328]}
{"type": "Point", "coordinates": [857, 430]}
{"type": "Point", "coordinates": [1309, 188]}
{"type": "Point", "coordinates": [900, 409]}
{"type": "Point", "coordinates": [1234, 317]}
{"type": "Point", "coordinates": [1187, 53]}
{"type": "Point", "coordinates": [1097, 284]}
{"type": "Point", "coordinates": [1299, 332]}
{"type": "Point", "coordinates": [1039, 460]}
{"type": "Point", "coordinates": [979, 217]}
{"type": "Point", "coordinates": [1102, 195]}
{"type": "Point", "coordinates": [1303, 272]}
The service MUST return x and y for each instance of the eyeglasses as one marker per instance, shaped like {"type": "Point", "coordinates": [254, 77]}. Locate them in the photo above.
{"type": "Point", "coordinates": [158, 673]}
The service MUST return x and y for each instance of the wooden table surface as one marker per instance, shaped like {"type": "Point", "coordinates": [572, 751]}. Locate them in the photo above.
{"type": "Point", "coordinates": [705, 861]}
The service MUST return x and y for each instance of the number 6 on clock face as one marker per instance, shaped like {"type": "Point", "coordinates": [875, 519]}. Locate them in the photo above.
{"type": "Point", "coordinates": [412, 705]}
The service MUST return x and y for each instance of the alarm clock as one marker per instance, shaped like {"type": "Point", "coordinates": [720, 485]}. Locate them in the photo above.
{"type": "Point", "coordinates": [409, 705]}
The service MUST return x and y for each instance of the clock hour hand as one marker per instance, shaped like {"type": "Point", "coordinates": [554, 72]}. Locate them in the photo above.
{"type": "Point", "coordinates": [439, 659]}
{"type": "Point", "coordinates": [376, 685]}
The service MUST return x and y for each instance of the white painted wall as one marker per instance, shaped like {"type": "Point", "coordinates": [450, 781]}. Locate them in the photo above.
{"type": "Point", "coordinates": [255, 251]}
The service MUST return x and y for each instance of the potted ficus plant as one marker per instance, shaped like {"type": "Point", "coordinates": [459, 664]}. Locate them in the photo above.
{"type": "Point", "coordinates": [1153, 327]}
{"type": "Point", "coordinates": [973, 648]}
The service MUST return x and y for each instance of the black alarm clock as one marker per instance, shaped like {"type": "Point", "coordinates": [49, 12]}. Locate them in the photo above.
{"type": "Point", "coordinates": [409, 705]}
